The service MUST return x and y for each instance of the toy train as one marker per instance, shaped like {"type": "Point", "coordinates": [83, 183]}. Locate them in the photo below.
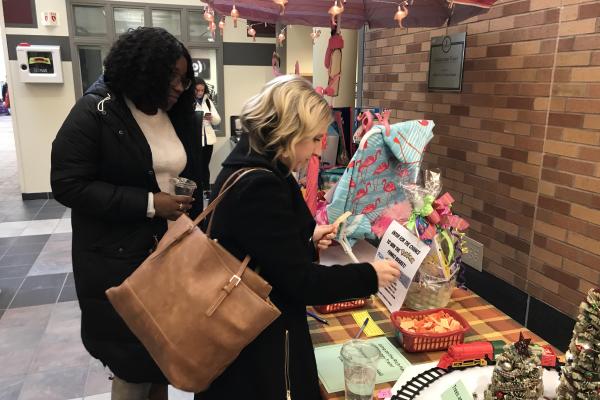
{"type": "Point", "coordinates": [484, 353]}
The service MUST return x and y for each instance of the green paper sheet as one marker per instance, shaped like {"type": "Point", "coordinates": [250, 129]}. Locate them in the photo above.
{"type": "Point", "coordinates": [331, 367]}
{"type": "Point", "coordinates": [458, 391]}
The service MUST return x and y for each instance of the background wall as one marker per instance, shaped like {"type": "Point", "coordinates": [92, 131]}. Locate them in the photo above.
{"type": "Point", "coordinates": [38, 110]}
{"type": "Point", "coordinates": [299, 47]}
{"type": "Point", "coordinates": [243, 78]}
{"type": "Point", "coordinates": [520, 146]}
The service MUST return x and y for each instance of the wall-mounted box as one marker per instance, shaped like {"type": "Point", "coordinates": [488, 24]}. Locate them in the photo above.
{"type": "Point", "coordinates": [39, 64]}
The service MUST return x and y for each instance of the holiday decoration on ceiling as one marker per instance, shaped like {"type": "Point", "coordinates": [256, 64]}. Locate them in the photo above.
{"type": "Point", "coordinates": [315, 34]}
{"type": "Point", "coordinates": [517, 374]}
{"type": "Point", "coordinates": [252, 32]}
{"type": "Point", "coordinates": [209, 14]}
{"type": "Point", "coordinates": [222, 25]}
{"type": "Point", "coordinates": [401, 13]}
{"type": "Point", "coordinates": [580, 378]}
{"type": "Point", "coordinates": [235, 14]}
{"type": "Point", "coordinates": [336, 9]}
{"type": "Point", "coordinates": [356, 13]}
{"type": "Point", "coordinates": [281, 4]}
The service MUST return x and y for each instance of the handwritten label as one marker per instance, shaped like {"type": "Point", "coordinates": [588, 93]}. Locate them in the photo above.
{"type": "Point", "coordinates": [458, 391]}
{"type": "Point", "coordinates": [400, 245]}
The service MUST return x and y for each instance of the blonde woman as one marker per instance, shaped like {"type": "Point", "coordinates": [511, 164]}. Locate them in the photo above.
{"type": "Point", "coordinates": [265, 216]}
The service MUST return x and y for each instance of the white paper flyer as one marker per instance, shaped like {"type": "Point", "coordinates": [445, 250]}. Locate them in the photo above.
{"type": "Point", "coordinates": [399, 244]}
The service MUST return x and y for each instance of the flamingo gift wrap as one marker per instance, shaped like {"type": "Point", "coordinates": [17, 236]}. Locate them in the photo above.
{"type": "Point", "coordinates": [373, 180]}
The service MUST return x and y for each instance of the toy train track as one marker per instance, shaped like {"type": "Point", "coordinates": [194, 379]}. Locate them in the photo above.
{"type": "Point", "coordinates": [412, 388]}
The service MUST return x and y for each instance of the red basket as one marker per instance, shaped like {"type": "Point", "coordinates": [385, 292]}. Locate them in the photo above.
{"type": "Point", "coordinates": [416, 342]}
{"type": "Point", "coordinates": [341, 306]}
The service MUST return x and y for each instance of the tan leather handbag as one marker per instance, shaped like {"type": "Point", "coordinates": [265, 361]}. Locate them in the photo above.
{"type": "Point", "coordinates": [193, 305]}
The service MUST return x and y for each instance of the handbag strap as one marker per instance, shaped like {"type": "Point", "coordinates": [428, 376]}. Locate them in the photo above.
{"type": "Point", "coordinates": [229, 286]}
{"type": "Point", "coordinates": [231, 180]}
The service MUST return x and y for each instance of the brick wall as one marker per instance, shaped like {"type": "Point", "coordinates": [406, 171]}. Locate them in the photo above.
{"type": "Point", "coordinates": [520, 146]}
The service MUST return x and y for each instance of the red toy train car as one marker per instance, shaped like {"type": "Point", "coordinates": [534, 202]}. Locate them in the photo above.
{"type": "Point", "coordinates": [484, 353]}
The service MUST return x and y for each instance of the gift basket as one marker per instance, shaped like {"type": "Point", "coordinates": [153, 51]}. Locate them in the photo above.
{"type": "Point", "coordinates": [433, 221]}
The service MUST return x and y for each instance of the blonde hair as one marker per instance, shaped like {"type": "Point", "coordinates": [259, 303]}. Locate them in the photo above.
{"type": "Point", "coordinates": [286, 111]}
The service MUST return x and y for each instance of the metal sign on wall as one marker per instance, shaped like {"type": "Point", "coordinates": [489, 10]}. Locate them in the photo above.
{"type": "Point", "coordinates": [446, 59]}
{"type": "Point", "coordinates": [201, 67]}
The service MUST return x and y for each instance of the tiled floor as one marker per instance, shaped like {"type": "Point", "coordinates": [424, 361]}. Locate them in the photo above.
{"type": "Point", "coordinates": [41, 354]}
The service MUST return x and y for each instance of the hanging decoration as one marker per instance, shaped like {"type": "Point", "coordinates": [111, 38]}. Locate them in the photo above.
{"type": "Point", "coordinates": [336, 10]}
{"type": "Point", "coordinates": [314, 35]}
{"type": "Point", "coordinates": [401, 13]}
{"type": "Point", "coordinates": [222, 25]}
{"type": "Point", "coordinates": [212, 27]}
{"type": "Point", "coordinates": [281, 4]}
{"type": "Point", "coordinates": [235, 14]}
{"type": "Point", "coordinates": [252, 32]}
{"type": "Point", "coordinates": [281, 36]}
{"type": "Point", "coordinates": [209, 15]}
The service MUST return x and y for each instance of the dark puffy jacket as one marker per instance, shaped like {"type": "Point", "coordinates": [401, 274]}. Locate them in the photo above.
{"type": "Point", "coordinates": [102, 169]}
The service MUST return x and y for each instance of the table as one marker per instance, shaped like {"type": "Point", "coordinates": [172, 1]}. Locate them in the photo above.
{"type": "Point", "coordinates": [487, 322]}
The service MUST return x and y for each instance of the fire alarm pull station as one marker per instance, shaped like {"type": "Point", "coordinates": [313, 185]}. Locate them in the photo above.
{"type": "Point", "coordinates": [39, 64]}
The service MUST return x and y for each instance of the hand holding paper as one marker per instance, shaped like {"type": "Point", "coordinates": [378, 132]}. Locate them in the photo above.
{"type": "Point", "coordinates": [399, 244]}
{"type": "Point", "coordinates": [387, 272]}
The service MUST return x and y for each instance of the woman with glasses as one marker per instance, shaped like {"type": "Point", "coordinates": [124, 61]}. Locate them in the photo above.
{"type": "Point", "coordinates": [112, 161]}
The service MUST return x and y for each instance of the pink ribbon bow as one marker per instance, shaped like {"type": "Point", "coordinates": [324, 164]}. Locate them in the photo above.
{"type": "Point", "coordinates": [443, 207]}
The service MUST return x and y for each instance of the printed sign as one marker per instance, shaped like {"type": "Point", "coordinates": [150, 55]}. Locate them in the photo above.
{"type": "Point", "coordinates": [400, 245]}
{"type": "Point", "coordinates": [201, 67]}
{"type": "Point", "coordinates": [446, 59]}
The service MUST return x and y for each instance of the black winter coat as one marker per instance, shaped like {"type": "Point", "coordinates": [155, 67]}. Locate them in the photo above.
{"type": "Point", "coordinates": [102, 169]}
{"type": "Point", "coordinates": [265, 216]}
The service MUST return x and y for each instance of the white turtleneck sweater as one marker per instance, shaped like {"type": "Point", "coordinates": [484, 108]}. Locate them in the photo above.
{"type": "Point", "coordinates": [168, 155]}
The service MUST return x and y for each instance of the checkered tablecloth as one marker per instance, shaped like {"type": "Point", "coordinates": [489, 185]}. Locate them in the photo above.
{"type": "Point", "coordinates": [487, 323]}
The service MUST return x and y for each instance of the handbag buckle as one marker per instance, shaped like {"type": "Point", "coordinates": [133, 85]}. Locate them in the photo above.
{"type": "Point", "coordinates": [235, 278]}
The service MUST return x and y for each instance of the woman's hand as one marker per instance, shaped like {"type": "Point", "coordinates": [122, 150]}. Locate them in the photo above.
{"type": "Point", "coordinates": [387, 271]}
{"type": "Point", "coordinates": [323, 236]}
{"type": "Point", "coordinates": [171, 207]}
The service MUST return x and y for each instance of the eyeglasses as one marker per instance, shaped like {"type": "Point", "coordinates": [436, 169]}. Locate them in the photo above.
{"type": "Point", "coordinates": [185, 82]}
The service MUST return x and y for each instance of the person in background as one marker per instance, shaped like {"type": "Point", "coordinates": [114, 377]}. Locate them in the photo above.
{"type": "Point", "coordinates": [112, 159]}
{"type": "Point", "coordinates": [211, 119]}
{"type": "Point", "coordinates": [264, 216]}
{"type": "Point", "coordinates": [6, 97]}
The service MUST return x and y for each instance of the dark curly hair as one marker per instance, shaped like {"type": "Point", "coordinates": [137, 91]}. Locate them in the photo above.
{"type": "Point", "coordinates": [140, 64]}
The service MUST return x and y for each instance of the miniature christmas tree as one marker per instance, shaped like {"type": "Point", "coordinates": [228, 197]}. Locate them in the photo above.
{"type": "Point", "coordinates": [517, 374]}
{"type": "Point", "coordinates": [581, 374]}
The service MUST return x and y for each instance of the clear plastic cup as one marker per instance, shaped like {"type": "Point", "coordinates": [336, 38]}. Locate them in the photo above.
{"type": "Point", "coordinates": [183, 186]}
{"type": "Point", "coordinates": [360, 368]}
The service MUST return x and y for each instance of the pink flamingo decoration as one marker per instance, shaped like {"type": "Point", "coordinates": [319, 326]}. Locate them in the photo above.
{"type": "Point", "coordinates": [367, 162]}
{"type": "Point", "coordinates": [381, 167]}
{"type": "Point", "coordinates": [361, 192]}
{"type": "Point", "coordinates": [389, 187]}
{"type": "Point", "coordinates": [369, 208]}
{"type": "Point", "coordinates": [354, 163]}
